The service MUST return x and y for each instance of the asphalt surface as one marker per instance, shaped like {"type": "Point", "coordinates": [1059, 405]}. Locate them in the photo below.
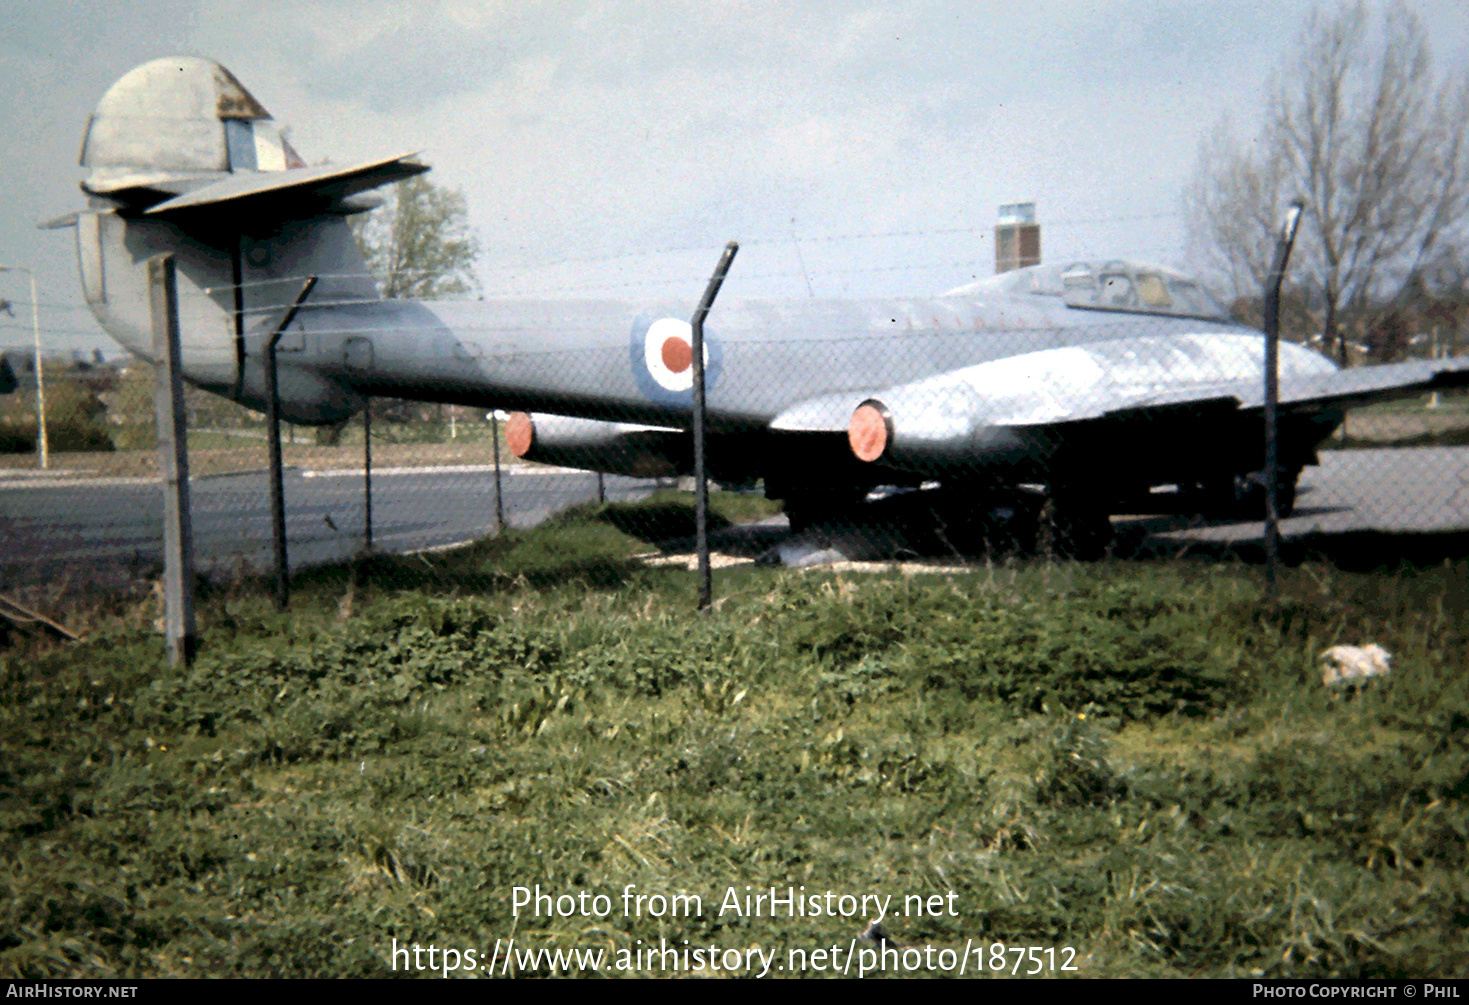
{"type": "Point", "coordinates": [1415, 490]}
{"type": "Point", "coordinates": [109, 529]}
{"type": "Point", "coordinates": [77, 528]}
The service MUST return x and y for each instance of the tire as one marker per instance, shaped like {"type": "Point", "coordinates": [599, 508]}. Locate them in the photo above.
{"type": "Point", "coordinates": [1250, 494]}
{"type": "Point", "coordinates": [810, 509]}
{"type": "Point", "coordinates": [1070, 528]}
{"type": "Point", "coordinates": [1285, 493]}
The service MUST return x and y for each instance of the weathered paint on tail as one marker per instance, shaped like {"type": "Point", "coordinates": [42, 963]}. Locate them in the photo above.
{"type": "Point", "coordinates": [253, 224]}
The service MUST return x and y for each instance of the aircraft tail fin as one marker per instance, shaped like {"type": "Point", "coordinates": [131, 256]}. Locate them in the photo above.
{"type": "Point", "coordinates": [182, 159]}
{"type": "Point", "coordinates": [181, 138]}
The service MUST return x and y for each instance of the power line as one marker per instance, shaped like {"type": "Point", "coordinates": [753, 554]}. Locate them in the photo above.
{"type": "Point", "coordinates": [827, 238]}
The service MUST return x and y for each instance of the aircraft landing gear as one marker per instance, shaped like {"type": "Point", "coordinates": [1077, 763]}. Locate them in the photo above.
{"type": "Point", "coordinates": [1072, 526]}
{"type": "Point", "coordinates": [833, 505]}
{"type": "Point", "coordinates": [1252, 499]}
{"type": "Point", "coordinates": [961, 520]}
{"type": "Point", "coordinates": [1243, 496]}
{"type": "Point", "coordinates": [1067, 523]}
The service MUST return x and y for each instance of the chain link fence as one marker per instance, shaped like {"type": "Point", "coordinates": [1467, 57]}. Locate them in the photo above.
{"type": "Point", "coordinates": [1154, 484]}
{"type": "Point", "coordinates": [94, 518]}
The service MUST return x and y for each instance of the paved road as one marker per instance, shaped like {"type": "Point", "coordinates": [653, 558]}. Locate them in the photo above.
{"type": "Point", "coordinates": [107, 529]}
{"type": "Point", "coordinates": [1424, 489]}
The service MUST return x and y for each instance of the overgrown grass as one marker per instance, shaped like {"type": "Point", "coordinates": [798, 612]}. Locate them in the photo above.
{"type": "Point", "coordinates": [1135, 761]}
{"type": "Point", "coordinates": [1455, 437]}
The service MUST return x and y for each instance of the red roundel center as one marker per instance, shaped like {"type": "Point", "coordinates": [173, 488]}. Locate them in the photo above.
{"type": "Point", "coordinates": [677, 354]}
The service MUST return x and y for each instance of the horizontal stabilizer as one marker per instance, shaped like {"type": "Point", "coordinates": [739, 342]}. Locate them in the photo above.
{"type": "Point", "coordinates": [60, 222]}
{"type": "Point", "coordinates": [320, 187]}
{"type": "Point", "coordinates": [131, 185]}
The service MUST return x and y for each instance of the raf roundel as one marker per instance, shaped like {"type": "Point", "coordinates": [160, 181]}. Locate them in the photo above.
{"type": "Point", "coordinates": [668, 354]}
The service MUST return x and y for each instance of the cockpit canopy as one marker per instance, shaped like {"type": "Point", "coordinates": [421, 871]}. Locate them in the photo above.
{"type": "Point", "coordinates": [1115, 285]}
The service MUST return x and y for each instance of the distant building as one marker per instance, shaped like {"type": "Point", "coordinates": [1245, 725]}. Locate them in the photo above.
{"type": "Point", "coordinates": [1017, 237]}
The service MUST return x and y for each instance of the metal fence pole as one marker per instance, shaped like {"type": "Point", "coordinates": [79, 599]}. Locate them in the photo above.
{"type": "Point", "coordinates": [499, 498]}
{"type": "Point", "coordinates": [43, 441]}
{"type": "Point", "coordinates": [701, 475]}
{"type": "Point", "coordinates": [367, 475]}
{"type": "Point", "coordinates": [43, 449]}
{"type": "Point", "coordinates": [1272, 396]}
{"type": "Point", "coordinates": [277, 489]}
{"type": "Point", "coordinates": [179, 627]}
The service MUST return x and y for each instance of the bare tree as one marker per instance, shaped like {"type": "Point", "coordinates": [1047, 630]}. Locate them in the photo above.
{"type": "Point", "coordinates": [1356, 125]}
{"type": "Point", "coordinates": [419, 243]}
{"type": "Point", "coordinates": [1233, 204]}
{"type": "Point", "coordinates": [420, 247]}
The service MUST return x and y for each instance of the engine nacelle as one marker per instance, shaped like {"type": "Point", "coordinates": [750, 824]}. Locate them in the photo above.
{"type": "Point", "coordinates": [617, 448]}
{"type": "Point", "coordinates": [914, 434]}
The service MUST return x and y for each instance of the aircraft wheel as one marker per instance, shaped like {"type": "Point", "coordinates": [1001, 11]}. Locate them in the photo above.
{"type": "Point", "coordinates": [810, 509]}
{"type": "Point", "coordinates": [1071, 528]}
{"type": "Point", "coordinates": [1285, 493]}
{"type": "Point", "coordinates": [1005, 524]}
{"type": "Point", "coordinates": [1249, 494]}
{"type": "Point", "coordinates": [1242, 497]}
{"type": "Point", "coordinates": [799, 517]}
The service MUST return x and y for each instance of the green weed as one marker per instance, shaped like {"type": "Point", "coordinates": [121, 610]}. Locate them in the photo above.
{"type": "Point", "coordinates": [1132, 761]}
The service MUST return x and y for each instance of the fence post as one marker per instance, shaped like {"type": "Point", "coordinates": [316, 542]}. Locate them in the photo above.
{"type": "Point", "coordinates": [701, 475]}
{"type": "Point", "coordinates": [499, 498]}
{"type": "Point", "coordinates": [1272, 395]}
{"type": "Point", "coordinates": [179, 627]}
{"type": "Point", "coordinates": [277, 489]}
{"type": "Point", "coordinates": [367, 475]}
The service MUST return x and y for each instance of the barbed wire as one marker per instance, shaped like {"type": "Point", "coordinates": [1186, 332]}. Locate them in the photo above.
{"type": "Point", "coordinates": [528, 286]}
{"type": "Point", "coordinates": [788, 239]}
{"type": "Point", "coordinates": [692, 281]}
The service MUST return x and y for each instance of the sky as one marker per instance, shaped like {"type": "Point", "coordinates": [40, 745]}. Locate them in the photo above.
{"type": "Point", "coordinates": [610, 149]}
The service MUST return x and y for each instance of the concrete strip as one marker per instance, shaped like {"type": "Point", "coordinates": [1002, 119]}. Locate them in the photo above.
{"type": "Point", "coordinates": [450, 469]}
{"type": "Point", "coordinates": [61, 483]}
{"type": "Point", "coordinates": [51, 473]}
{"type": "Point", "coordinates": [691, 562]}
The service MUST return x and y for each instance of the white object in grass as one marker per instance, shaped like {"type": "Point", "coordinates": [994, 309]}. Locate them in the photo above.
{"type": "Point", "coordinates": [1343, 664]}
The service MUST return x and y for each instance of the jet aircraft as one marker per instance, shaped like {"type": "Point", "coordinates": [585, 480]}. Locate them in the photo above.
{"type": "Point", "coordinates": [1091, 386]}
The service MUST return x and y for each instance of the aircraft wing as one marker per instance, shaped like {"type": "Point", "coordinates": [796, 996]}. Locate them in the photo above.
{"type": "Point", "coordinates": [997, 405]}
